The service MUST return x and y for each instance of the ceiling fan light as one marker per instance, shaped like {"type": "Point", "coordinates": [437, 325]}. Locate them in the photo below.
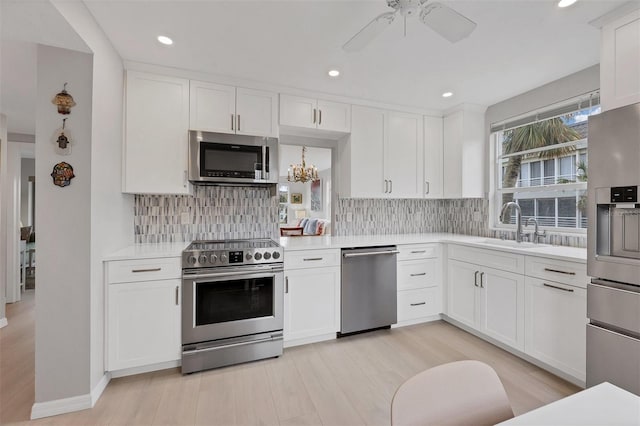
{"type": "Point", "coordinates": [566, 3]}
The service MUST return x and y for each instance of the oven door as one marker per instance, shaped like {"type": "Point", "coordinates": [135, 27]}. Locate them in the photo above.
{"type": "Point", "coordinates": [236, 301]}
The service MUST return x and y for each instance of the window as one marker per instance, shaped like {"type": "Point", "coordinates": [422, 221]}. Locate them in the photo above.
{"type": "Point", "coordinates": [541, 164]}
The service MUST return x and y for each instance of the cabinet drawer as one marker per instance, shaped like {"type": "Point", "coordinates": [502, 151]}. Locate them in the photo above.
{"type": "Point", "coordinates": [124, 271]}
{"type": "Point", "coordinates": [417, 251]}
{"type": "Point", "coordinates": [418, 303]}
{"type": "Point", "coordinates": [311, 259]}
{"type": "Point", "coordinates": [571, 273]}
{"type": "Point", "coordinates": [490, 258]}
{"type": "Point", "coordinates": [417, 274]}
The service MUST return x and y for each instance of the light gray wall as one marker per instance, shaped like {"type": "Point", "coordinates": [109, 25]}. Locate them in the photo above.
{"type": "Point", "coordinates": [3, 214]}
{"type": "Point", "coordinates": [64, 229]}
{"type": "Point", "coordinates": [28, 168]}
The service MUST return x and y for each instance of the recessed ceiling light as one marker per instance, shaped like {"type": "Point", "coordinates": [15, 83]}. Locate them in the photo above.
{"type": "Point", "coordinates": [566, 3]}
{"type": "Point", "coordinates": [165, 40]}
{"type": "Point", "coordinates": [447, 94]}
{"type": "Point", "coordinates": [333, 73]}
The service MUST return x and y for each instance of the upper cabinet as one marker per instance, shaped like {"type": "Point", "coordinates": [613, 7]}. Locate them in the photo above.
{"type": "Point", "coordinates": [620, 62]}
{"type": "Point", "coordinates": [433, 157]}
{"type": "Point", "coordinates": [227, 109]}
{"type": "Point", "coordinates": [385, 155]}
{"type": "Point", "coordinates": [309, 113]}
{"type": "Point", "coordinates": [156, 129]}
{"type": "Point", "coordinates": [463, 152]}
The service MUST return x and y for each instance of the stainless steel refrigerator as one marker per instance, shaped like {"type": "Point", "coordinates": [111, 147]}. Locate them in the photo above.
{"type": "Point", "coordinates": [613, 247]}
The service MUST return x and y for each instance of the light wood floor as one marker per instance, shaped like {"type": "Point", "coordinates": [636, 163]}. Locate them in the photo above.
{"type": "Point", "coordinates": [344, 382]}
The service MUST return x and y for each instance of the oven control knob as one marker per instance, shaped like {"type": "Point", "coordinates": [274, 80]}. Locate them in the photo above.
{"type": "Point", "coordinates": [267, 255]}
{"type": "Point", "coordinates": [214, 258]}
{"type": "Point", "coordinates": [248, 256]}
{"type": "Point", "coordinates": [258, 256]}
{"type": "Point", "coordinates": [223, 258]}
{"type": "Point", "coordinates": [202, 259]}
{"type": "Point", "coordinates": [276, 255]}
{"type": "Point", "coordinates": [192, 260]}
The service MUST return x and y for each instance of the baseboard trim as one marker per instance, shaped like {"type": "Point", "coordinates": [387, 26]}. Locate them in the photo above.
{"type": "Point", "coordinates": [69, 405]}
{"type": "Point", "coordinates": [306, 340]}
{"type": "Point", "coordinates": [145, 369]}
{"type": "Point", "coordinates": [421, 320]}
{"type": "Point", "coordinates": [3, 322]}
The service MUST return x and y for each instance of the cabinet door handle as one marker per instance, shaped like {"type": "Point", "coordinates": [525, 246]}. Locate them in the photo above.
{"type": "Point", "coordinates": [177, 295]}
{"type": "Point", "coordinates": [319, 116]}
{"type": "Point", "coordinates": [419, 274]}
{"type": "Point", "coordinates": [314, 116]}
{"type": "Point", "coordinates": [418, 304]}
{"type": "Point", "coordinates": [385, 185]}
{"type": "Point", "coordinates": [186, 179]}
{"type": "Point", "coordinates": [146, 270]}
{"type": "Point", "coordinates": [428, 188]}
{"type": "Point", "coordinates": [558, 288]}
{"type": "Point", "coordinates": [475, 278]}
{"type": "Point", "coordinates": [232, 122]}
{"type": "Point", "coordinates": [286, 285]}
{"type": "Point", "coordinates": [390, 186]}
{"type": "Point", "coordinates": [311, 259]}
{"type": "Point", "coordinates": [238, 126]}
{"type": "Point", "coordinates": [557, 271]}
{"type": "Point", "coordinates": [481, 279]}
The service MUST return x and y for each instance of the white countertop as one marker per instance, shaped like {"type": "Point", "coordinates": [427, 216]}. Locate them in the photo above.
{"type": "Point", "coordinates": [604, 404]}
{"type": "Point", "coordinates": [149, 251]}
{"type": "Point", "coordinates": [572, 254]}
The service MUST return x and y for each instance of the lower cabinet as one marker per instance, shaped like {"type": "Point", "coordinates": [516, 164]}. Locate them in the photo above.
{"type": "Point", "coordinates": [311, 302]}
{"type": "Point", "coordinates": [556, 317]}
{"type": "Point", "coordinates": [489, 300]}
{"type": "Point", "coordinates": [419, 283]}
{"type": "Point", "coordinates": [143, 323]}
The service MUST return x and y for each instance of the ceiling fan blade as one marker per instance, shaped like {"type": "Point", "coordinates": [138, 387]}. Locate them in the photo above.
{"type": "Point", "coordinates": [446, 22]}
{"type": "Point", "coordinates": [369, 32]}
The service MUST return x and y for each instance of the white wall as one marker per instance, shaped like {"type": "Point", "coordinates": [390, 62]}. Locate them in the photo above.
{"type": "Point", "coordinates": [64, 229]}
{"type": "Point", "coordinates": [27, 168]}
{"type": "Point", "coordinates": [3, 217]}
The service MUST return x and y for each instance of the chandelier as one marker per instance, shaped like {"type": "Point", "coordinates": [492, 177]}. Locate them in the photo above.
{"type": "Point", "coordinates": [302, 173]}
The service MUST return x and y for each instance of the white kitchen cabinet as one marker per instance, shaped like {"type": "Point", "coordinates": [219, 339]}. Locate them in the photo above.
{"type": "Point", "coordinates": [488, 300]}
{"type": "Point", "coordinates": [385, 158]}
{"type": "Point", "coordinates": [309, 113]}
{"type": "Point", "coordinates": [433, 157]}
{"type": "Point", "coordinates": [312, 296]}
{"type": "Point", "coordinates": [227, 109]}
{"type": "Point", "coordinates": [463, 153]}
{"type": "Point", "coordinates": [620, 62]}
{"type": "Point", "coordinates": [143, 313]}
{"type": "Point", "coordinates": [556, 317]}
{"type": "Point", "coordinates": [156, 129]}
{"type": "Point", "coordinates": [419, 283]}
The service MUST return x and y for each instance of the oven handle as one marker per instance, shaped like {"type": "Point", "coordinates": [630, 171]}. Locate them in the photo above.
{"type": "Point", "coordinates": [232, 345]}
{"type": "Point", "coordinates": [230, 274]}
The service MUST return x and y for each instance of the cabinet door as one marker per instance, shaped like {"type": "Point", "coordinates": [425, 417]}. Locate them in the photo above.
{"type": "Point", "coordinates": [143, 323]}
{"type": "Point", "coordinates": [462, 292]}
{"type": "Point", "coordinates": [433, 157]}
{"type": "Point", "coordinates": [502, 306]}
{"type": "Point", "coordinates": [213, 107]}
{"type": "Point", "coordinates": [257, 112]}
{"type": "Point", "coordinates": [556, 317]}
{"type": "Point", "coordinates": [156, 131]}
{"type": "Point", "coordinates": [404, 155]}
{"type": "Point", "coordinates": [312, 302]}
{"type": "Point", "coordinates": [298, 111]}
{"type": "Point", "coordinates": [334, 116]}
{"type": "Point", "coordinates": [366, 174]}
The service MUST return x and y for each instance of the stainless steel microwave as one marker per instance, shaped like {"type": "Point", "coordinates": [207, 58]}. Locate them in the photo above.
{"type": "Point", "coordinates": [232, 159]}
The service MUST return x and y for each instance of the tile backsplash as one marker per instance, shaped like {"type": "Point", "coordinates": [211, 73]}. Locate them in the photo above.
{"type": "Point", "coordinates": [211, 213]}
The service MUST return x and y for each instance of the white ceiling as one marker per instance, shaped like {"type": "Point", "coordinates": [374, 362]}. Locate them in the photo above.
{"type": "Point", "coordinates": [517, 46]}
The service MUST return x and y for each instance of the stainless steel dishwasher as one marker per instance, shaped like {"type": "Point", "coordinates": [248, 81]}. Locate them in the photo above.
{"type": "Point", "coordinates": [369, 289]}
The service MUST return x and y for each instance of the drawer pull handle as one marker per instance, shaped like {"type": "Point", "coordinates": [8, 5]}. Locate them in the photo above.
{"type": "Point", "coordinates": [418, 275]}
{"type": "Point", "coordinates": [475, 278]}
{"type": "Point", "coordinates": [146, 270]}
{"type": "Point", "coordinates": [419, 303]}
{"type": "Point", "coordinates": [312, 259]}
{"type": "Point", "coordinates": [557, 271]}
{"type": "Point", "coordinates": [418, 251]}
{"type": "Point", "coordinates": [569, 290]}
{"type": "Point", "coordinates": [286, 285]}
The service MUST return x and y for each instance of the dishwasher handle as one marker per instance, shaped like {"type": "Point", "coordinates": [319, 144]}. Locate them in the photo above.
{"type": "Point", "coordinates": [369, 253]}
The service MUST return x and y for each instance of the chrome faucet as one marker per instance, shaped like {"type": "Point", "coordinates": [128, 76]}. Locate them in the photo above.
{"type": "Point", "coordinates": [503, 215]}
{"type": "Point", "coordinates": [536, 233]}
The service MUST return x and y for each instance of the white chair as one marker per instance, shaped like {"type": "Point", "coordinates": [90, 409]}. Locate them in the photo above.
{"type": "Point", "coordinates": [459, 393]}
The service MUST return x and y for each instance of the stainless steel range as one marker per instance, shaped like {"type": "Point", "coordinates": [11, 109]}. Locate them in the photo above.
{"type": "Point", "coordinates": [233, 297]}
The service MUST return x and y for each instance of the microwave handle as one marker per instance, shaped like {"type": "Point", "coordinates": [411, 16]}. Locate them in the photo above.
{"type": "Point", "coordinates": [265, 163]}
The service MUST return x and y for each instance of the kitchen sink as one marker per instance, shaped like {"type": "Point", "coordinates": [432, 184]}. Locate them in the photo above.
{"type": "Point", "coordinates": [512, 243]}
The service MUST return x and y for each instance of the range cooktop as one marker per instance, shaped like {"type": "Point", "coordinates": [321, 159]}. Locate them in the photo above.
{"type": "Point", "coordinates": [207, 254]}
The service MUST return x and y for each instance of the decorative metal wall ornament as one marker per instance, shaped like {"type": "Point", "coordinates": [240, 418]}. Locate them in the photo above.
{"type": "Point", "coordinates": [62, 174]}
{"type": "Point", "coordinates": [64, 101]}
{"type": "Point", "coordinates": [62, 140]}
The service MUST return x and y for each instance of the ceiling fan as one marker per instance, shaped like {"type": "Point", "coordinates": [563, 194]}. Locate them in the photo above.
{"type": "Point", "coordinates": [440, 18]}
